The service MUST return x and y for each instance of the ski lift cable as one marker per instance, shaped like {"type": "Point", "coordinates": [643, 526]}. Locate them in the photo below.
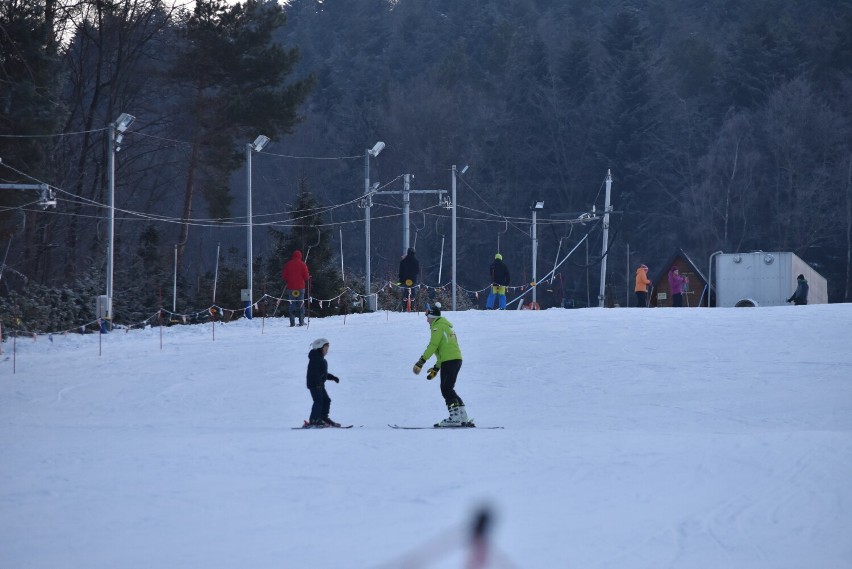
{"type": "Point", "coordinates": [202, 222]}
{"type": "Point", "coordinates": [187, 143]}
{"type": "Point", "coordinates": [21, 207]}
{"type": "Point", "coordinates": [53, 135]}
{"type": "Point", "coordinates": [553, 270]}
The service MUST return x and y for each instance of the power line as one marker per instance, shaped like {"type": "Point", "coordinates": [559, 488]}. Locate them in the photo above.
{"type": "Point", "coordinates": [52, 135]}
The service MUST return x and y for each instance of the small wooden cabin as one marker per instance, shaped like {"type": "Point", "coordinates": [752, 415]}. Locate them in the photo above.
{"type": "Point", "coordinates": [695, 291]}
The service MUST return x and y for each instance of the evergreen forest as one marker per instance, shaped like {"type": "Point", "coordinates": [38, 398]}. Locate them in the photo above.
{"type": "Point", "coordinates": [725, 125]}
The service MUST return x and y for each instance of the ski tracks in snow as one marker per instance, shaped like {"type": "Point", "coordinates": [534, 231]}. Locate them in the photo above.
{"type": "Point", "coordinates": [737, 526]}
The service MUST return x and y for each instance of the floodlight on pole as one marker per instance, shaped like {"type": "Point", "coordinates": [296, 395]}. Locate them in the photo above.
{"type": "Point", "coordinates": [536, 207]}
{"type": "Point", "coordinates": [376, 149]}
{"type": "Point", "coordinates": [259, 144]}
{"type": "Point", "coordinates": [368, 201]}
{"type": "Point", "coordinates": [121, 124]}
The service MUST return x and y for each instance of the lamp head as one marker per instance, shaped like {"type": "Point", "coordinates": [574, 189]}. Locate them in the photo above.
{"type": "Point", "coordinates": [463, 170]}
{"type": "Point", "coordinates": [123, 122]}
{"type": "Point", "coordinates": [259, 143]}
{"type": "Point", "coordinates": [538, 204]}
{"type": "Point", "coordinates": [376, 149]}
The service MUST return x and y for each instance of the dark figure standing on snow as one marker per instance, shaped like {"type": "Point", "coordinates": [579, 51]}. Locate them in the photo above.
{"type": "Point", "coordinates": [317, 376]}
{"type": "Point", "coordinates": [445, 346]}
{"type": "Point", "coordinates": [295, 275]}
{"type": "Point", "coordinates": [409, 273]}
{"type": "Point", "coordinates": [499, 281]}
{"type": "Point", "coordinates": [800, 297]}
{"type": "Point", "coordinates": [676, 284]}
{"type": "Point", "coordinates": [641, 287]}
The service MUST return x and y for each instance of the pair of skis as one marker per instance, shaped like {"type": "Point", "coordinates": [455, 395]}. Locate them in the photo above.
{"type": "Point", "coordinates": [469, 426]}
{"type": "Point", "coordinates": [307, 425]}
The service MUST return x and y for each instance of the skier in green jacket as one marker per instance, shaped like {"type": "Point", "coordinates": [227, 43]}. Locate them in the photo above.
{"type": "Point", "coordinates": [445, 347]}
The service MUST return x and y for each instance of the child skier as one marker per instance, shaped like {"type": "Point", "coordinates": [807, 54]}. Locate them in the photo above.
{"type": "Point", "coordinates": [317, 376]}
{"type": "Point", "coordinates": [445, 346]}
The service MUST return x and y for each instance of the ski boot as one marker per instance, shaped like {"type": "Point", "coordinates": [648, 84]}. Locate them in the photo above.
{"type": "Point", "coordinates": [463, 418]}
{"type": "Point", "coordinates": [329, 423]}
{"type": "Point", "coordinates": [455, 418]}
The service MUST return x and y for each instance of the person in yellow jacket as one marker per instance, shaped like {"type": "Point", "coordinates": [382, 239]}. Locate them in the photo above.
{"type": "Point", "coordinates": [444, 345]}
{"type": "Point", "coordinates": [641, 288]}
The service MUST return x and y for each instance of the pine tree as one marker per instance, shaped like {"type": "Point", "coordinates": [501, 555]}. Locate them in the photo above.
{"type": "Point", "coordinates": [234, 76]}
{"type": "Point", "coordinates": [143, 282]}
{"type": "Point", "coordinates": [309, 235]}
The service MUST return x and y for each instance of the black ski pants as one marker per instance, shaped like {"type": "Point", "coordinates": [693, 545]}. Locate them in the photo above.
{"type": "Point", "coordinates": [322, 403]}
{"type": "Point", "coordinates": [449, 373]}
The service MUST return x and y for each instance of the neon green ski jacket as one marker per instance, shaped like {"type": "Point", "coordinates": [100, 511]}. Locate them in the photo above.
{"type": "Point", "coordinates": [443, 342]}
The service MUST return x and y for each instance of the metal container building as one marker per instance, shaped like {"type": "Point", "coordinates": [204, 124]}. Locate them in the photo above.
{"type": "Point", "coordinates": [764, 279]}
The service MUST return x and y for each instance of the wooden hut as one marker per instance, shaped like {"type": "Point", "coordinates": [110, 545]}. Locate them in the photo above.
{"type": "Point", "coordinates": [695, 291]}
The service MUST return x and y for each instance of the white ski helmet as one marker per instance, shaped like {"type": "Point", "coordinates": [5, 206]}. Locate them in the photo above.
{"type": "Point", "coordinates": [319, 343]}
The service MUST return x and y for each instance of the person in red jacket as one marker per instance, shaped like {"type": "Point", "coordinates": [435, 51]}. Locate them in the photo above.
{"type": "Point", "coordinates": [295, 275]}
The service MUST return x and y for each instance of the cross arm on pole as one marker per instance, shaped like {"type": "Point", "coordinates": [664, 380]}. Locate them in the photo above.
{"type": "Point", "coordinates": [48, 197]}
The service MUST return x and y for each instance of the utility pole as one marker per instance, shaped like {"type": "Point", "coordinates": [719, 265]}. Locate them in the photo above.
{"type": "Point", "coordinates": [406, 209]}
{"type": "Point", "coordinates": [406, 206]}
{"type": "Point", "coordinates": [536, 206]}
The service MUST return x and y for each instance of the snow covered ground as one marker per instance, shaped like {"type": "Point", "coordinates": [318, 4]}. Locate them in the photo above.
{"type": "Point", "coordinates": [683, 438]}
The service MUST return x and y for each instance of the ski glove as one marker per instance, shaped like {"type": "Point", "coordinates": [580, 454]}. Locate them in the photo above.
{"type": "Point", "coordinates": [418, 367]}
{"type": "Point", "coordinates": [433, 371]}
{"type": "Point", "coordinates": [333, 378]}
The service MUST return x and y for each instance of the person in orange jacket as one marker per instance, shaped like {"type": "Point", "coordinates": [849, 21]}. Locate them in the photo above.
{"type": "Point", "coordinates": [295, 275]}
{"type": "Point", "coordinates": [641, 287]}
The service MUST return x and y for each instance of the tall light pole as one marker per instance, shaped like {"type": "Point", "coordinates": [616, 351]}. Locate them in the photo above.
{"type": "Point", "coordinates": [259, 143]}
{"type": "Point", "coordinates": [605, 245]}
{"type": "Point", "coordinates": [453, 198]}
{"type": "Point", "coordinates": [368, 201]}
{"type": "Point", "coordinates": [537, 205]}
{"type": "Point", "coordinates": [116, 135]}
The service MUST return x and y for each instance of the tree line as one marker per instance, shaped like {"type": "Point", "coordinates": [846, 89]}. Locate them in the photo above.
{"type": "Point", "coordinates": [725, 125]}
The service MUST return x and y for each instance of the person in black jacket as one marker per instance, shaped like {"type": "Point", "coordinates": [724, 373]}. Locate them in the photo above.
{"type": "Point", "coordinates": [800, 297]}
{"type": "Point", "coordinates": [317, 376]}
{"type": "Point", "coordinates": [499, 282]}
{"type": "Point", "coordinates": [409, 272]}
